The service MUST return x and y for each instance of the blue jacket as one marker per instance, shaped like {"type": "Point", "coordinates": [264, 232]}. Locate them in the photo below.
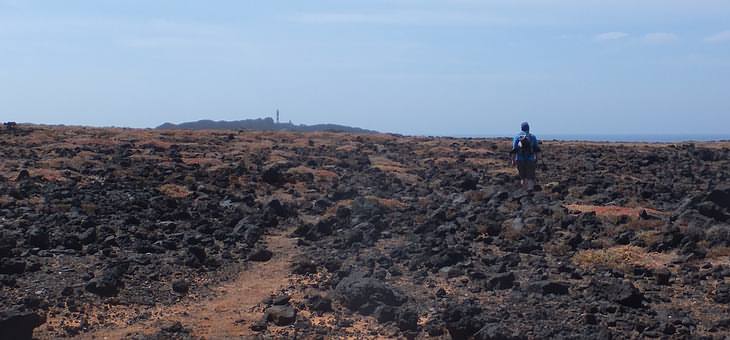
{"type": "Point", "coordinates": [535, 147]}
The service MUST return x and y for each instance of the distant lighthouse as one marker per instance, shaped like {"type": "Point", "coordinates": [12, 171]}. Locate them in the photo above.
{"type": "Point", "coordinates": [277, 116]}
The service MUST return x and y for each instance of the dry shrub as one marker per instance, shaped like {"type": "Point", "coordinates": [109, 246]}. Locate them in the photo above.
{"type": "Point", "coordinates": [5, 199]}
{"type": "Point", "coordinates": [89, 208]}
{"type": "Point", "coordinates": [650, 236]}
{"type": "Point", "coordinates": [557, 248]}
{"type": "Point", "coordinates": [347, 148]}
{"type": "Point", "coordinates": [407, 178]}
{"type": "Point", "coordinates": [505, 170]}
{"type": "Point", "coordinates": [331, 211]}
{"type": "Point", "coordinates": [718, 252]}
{"type": "Point", "coordinates": [389, 203]}
{"type": "Point", "coordinates": [621, 258]}
{"type": "Point", "coordinates": [385, 164]}
{"type": "Point", "coordinates": [638, 224]}
{"type": "Point", "coordinates": [513, 230]}
{"type": "Point", "coordinates": [155, 143]}
{"type": "Point", "coordinates": [483, 162]}
{"type": "Point", "coordinates": [203, 161]}
{"type": "Point", "coordinates": [319, 174]}
{"type": "Point", "coordinates": [50, 175]}
{"type": "Point", "coordinates": [174, 191]}
{"type": "Point", "coordinates": [445, 160]}
{"type": "Point", "coordinates": [389, 168]}
{"type": "Point", "coordinates": [441, 150]}
{"type": "Point", "coordinates": [475, 195]}
{"type": "Point", "coordinates": [611, 210]}
{"type": "Point", "coordinates": [92, 141]}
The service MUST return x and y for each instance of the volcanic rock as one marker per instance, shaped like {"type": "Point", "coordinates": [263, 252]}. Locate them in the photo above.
{"type": "Point", "coordinates": [319, 303]}
{"type": "Point", "coordinates": [12, 266]}
{"type": "Point", "coordinates": [109, 283]}
{"type": "Point", "coordinates": [621, 292]}
{"type": "Point", "coordinates": [16, 324]}
{"type": "Point", "coordinates": [496, 332]}
{"type": "Point", "coordinates": [501, 281]}
{"type": "Point", "coordinates": [722, 294]}
{"type": "Point", "coordinates": [357, 290]}
{"type": "Point", "coordinates": [260, 255]}
{"type": "Point", "coordinates": [38, 237]}
{"type": "Point", "coordinates": [180, 286]}
{"type": "Point", "coordinates": [662, 276]}
{"type": "Point", "coordinates": [549, 287]}
{"type": "Point", "coordinates": [281, 315]}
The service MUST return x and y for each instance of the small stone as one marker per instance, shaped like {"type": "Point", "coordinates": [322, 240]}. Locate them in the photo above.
{"type": "Point", "coordinates": [662, 276]}
{"type": "Point", "coordinates": [261, 255]}
{"type": "Point", "coordinates": [180, 286]}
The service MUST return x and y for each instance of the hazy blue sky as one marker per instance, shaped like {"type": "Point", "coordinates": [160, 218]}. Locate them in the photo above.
{"type": "Point", "coordinates": [408, 66]}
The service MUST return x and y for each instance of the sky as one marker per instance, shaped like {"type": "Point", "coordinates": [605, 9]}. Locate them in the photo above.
{"type": "Point", "coordinates": [426, 67]}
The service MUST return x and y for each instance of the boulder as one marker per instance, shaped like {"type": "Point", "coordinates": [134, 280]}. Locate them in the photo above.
{"type": "Point", "coordinates": [260, 255]}
{"type": "Point", "coordinates": [12, 266]}
{"type": "Point", "coordinates": [38, 237]}
{"type": "Point", "coordinates": [109, 282]}
{"type": "Point", "coordinates": [720, 196]}
{"type": "Point", "coordinates": [357, 290]}
{"type": "Point", "coordinates": [281, 315]}
{"type": "Point", "coordinates": [501, 281]}
{"type": "Point", "coordinates": [18, 324]}
{"type": "Point", "coordinates": [546, 287]}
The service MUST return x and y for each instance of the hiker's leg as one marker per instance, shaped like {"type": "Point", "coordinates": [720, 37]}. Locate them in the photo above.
{"type": "Point", "coordinates": [522, 170]}
{"type": "Point", "coordinates": [530, 174]}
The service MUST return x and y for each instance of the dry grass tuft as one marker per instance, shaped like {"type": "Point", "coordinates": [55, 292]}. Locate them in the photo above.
{"type": "Point", "coordinates": [203, 161]}
{"type": "Point", "coordinates": [612, 211]}
{"type": "Point", "coordinates": [50, 175]}
{"type": "Point", "coordinates": [319, 174]}
{"type": "Point", "coordinates": [718, 252]}
{"type": "Point", "coordinates": [389, 203]}
{"type": "Point", "coordinates": [622, 258]}
{"type": "Point", "coordinates": [174, 191]}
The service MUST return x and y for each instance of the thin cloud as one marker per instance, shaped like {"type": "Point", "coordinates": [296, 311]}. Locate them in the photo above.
{"type": "Point", "coordinates": [660, 38]}
{"type": "Point", "coordinates": [610, 36]}
{"type": "Point", "coordinates": [408, 17]}
{"type": "Point", "coordinates": [721, 37]}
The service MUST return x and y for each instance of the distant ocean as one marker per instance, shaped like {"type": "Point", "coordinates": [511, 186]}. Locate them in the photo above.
{"type": "Point", "coordinates": [668, 138]}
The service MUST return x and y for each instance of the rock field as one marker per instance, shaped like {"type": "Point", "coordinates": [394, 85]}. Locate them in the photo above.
{"type": "Point", "coordinates": [149, 234]}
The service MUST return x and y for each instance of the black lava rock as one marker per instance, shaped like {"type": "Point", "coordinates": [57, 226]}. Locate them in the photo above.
{"type": "Point", "coordinates": [549, 287]}
{"type": "Point", "coordinates": [319, 303]}
{"type": "Point", "coordinates": [722, 294]}
{"type": "Point", "coordinates": [109, 283]}
{"type": "Point", "coordinates": [501, 281]}
{"type": "Point", "coordinates": [357, 290]}
{"type": "Point", "coordinates": [180, 286]}
{"type": "Point", "coordinates": [38, 237]}
{"type": "Point", "coordinates": [281, 315]}
{"type": "Point", "coordinates": [662, 276]}
{"type": "Point", "coordinates": [260, 255]}
{"type": "Point", "coordinates": [17, 324]}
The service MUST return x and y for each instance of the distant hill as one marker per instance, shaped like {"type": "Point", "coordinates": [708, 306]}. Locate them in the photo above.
{"type": "Point", "coordinates": [261, 124]}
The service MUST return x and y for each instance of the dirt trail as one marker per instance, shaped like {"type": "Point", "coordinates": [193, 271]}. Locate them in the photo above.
{"type": "Point", "coordinates": [234, 307]}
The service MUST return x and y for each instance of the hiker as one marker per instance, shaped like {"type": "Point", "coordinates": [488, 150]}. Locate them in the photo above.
{"type": "Point", "coordinates": [524, 155]}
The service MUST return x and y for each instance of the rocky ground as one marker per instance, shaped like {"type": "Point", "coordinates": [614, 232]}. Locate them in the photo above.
{"type": "Point", "coordinates": [145, 234]}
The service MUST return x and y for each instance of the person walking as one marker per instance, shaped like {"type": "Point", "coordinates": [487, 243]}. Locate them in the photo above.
{"type": "Point", "coordinates": [525, 150]}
